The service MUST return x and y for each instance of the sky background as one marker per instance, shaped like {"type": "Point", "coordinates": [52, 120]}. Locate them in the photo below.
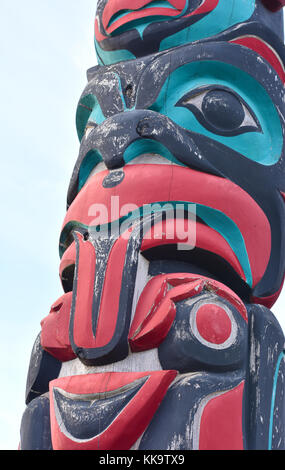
{"type": "Point", "coordinates": [46, 47]}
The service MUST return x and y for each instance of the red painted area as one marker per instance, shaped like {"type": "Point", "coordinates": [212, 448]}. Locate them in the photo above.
{"type": "Point", "coordinates": [82, 330]}
{"type": "Point", "coordinates": [155, 311]}
{"type": "Point", "coordinates": [181, 184]}
{"type": "Point", "coordinates": [206, 7]}
{"type": "Point", "coordinates": [274, 5]}
{"type": "Point", "coordinates": [213, 323]}
{"type": "Point", "coordinates": [138, 10]}
{"type": "Point", "coordinates": [83, 333]}
{"type": "Point", "coordinates": [111, 291]}
{"type": "Point", "coordinates": [221, 422]}
{"type": "Point", "coordinates": [68, 258]}
{"type": "Point", "coordinates": [55, 329]}
{"type": "Point", "coordinates": [132, 420]}
{"type": "Point", "coordinates": [264, 50]}
{"type": "Point", "coordinates": [98, 35]}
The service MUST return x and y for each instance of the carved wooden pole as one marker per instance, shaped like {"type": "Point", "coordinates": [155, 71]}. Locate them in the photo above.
{"type": "Point", "coordinates": [172, 248]}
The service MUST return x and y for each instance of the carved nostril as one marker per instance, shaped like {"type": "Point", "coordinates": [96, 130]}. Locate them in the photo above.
{"type": "Point", "coordinates": [143, 128]}
{"type": "Point", "coordinates": [129, 90]}
{"type": "Point", "coordinates": [80, 353]}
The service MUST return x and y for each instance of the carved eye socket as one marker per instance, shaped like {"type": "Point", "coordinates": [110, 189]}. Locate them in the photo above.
{"type": "Point", "coordinates": [221, 111]}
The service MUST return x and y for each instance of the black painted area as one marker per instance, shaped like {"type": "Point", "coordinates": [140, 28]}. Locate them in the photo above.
{"type": "Point", "coordinates": [42, 369]}
{"type": "Point", "coordinates": [113, 179]}
{"type": "Point", "coordinates": [221, 111]}
{"type": "Point", "coordinates": [181, 350]}
{"type": "Point", "coordinates": [168, 259]}
{"type": "Point", "coordinates": [267, 343]}
{"type": "Point", "coordinates": [85, 419]}
{"type": "Point", "coordinates": [67, 277]}
{"type": "Point", "coordinates": [172, 425]}
{"type": "Point", "coordinates": [35, 426]}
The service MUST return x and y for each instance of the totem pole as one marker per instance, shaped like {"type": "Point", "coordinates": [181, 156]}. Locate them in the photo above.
{"type": "Point", "coordinates": [173, 245]}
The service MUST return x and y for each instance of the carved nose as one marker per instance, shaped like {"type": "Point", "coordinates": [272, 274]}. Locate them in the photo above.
{"type": "Point", "coordinates": [110, 140]}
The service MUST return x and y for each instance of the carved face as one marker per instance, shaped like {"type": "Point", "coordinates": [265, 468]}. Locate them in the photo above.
{"type": "Point", "coordinates": [123, 33]}
{"type": "Point", "coordinates": [199, 125]}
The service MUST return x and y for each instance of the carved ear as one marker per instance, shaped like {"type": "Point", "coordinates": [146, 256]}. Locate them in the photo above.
{"type": "Point", "coordinates": [274, 5]}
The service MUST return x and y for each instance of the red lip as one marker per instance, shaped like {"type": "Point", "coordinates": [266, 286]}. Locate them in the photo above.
{"type": "Point", "coordinates": [137, 11]}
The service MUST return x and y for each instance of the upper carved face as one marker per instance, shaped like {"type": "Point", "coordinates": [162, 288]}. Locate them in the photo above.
{"type": "Point", "coordinates": [124, 31]}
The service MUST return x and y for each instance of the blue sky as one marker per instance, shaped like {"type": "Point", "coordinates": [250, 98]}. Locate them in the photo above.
{"type": "Point", "coordinates": [46, 47]}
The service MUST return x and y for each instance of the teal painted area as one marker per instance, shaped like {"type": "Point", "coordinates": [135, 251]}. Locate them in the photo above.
{"type": "Point", "coordinates": [111, 57]}
{"type": "Point", "coordinates": [89, 109]}
{"type": "Point", "coordinates": [84, 110]}
{"type": "Point", "coordinates": [158, 4]}
{"type": "Point", "coordinates": [230, 232]}
{"type": "Point", "coordinates": [120, 89]}
{"type": "Point", "coordinates": [141, 24]}
{"type": "Point", "coordinates": [91, 159]}
{"type": "Point", "coordinates": [226, 14]}
{"type": "Point", "coordinates": [265, 147]}
{"type": "Point", "coordinates": [275, 381]}
{"type": "Point", "coordinates": [97, 115]}
{"type": "Point", "coordinates": [140, 147]}
{"type": "Point", "coordinates": [212, 217]}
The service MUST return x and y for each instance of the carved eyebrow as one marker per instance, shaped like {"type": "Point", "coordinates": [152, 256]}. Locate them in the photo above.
{"type": "Point", "coordinates": [263, 49]}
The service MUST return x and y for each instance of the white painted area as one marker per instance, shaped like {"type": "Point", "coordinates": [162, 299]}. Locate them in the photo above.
{"type": "Point", "coordinates": [135, 362]}
{"type": "Point", "coordinates": [141, 281]}
{"type": "Point", "coordinates": [150, 159]}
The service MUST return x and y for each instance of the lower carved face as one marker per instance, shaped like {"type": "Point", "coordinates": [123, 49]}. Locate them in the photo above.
{"type": "Point", "coordinates": [124, 31]}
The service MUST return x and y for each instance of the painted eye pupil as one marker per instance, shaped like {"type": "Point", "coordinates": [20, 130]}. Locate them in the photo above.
{"type": "Point", "coordinates": [223, 110]}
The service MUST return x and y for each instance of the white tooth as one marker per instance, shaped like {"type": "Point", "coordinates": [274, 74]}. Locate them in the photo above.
{"type": "Point", "coordinates": [150, 158]}
{"type": "Point", "coordinates": [145, 158]}
{"type": "Point", "coordinates": [135, 362]}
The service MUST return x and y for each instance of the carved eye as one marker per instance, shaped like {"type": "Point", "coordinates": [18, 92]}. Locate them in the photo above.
{"type": "Point", "coordinates": [221, 111]}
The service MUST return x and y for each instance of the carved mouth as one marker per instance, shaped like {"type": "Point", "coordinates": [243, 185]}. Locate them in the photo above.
{"type": "Point", "coordinates": [117, 15]}
{"type": "Point", "coordinates": [83, 417]}
{"type": "Point", "coordinates": [105, 411]}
